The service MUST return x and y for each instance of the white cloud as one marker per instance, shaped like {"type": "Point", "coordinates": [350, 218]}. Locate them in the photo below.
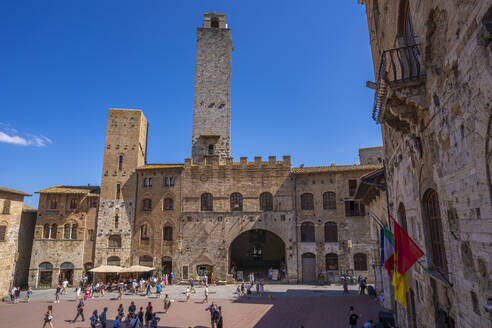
{"type": "Point", "coordinates": [11, 136]}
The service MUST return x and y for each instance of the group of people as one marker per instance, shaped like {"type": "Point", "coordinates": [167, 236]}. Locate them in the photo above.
{"type": "Point", "coordinates": [245, 288]}
{"type": "Point", "coordinates": [15, 294]}
{"type": "Point", "coordinates": [216, 319]}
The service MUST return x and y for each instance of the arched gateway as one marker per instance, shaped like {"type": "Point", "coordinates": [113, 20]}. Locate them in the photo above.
{"type": "Point", "coordinates": [257, 251]}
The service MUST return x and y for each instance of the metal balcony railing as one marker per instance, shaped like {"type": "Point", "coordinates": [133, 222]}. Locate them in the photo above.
{"type": "Point", "coordinates": [398, 66]}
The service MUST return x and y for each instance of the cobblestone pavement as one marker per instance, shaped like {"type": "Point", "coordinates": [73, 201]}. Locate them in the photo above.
{"type": "Point", "coordinates": [282, 306]}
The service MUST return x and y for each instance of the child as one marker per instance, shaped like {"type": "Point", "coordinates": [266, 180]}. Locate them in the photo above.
{"type": "Point", "coordinates": [48, 317]}
{"type": "Point", "coordinates": [29, 295]}
{"type": "Point", "coordinates": [154, 321]}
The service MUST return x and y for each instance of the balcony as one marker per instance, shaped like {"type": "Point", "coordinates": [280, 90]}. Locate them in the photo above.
{"type": "Point", "coordinates": [400, 87]}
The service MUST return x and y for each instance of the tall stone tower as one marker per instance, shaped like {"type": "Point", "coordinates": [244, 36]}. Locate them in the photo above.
{"type": "Point", "coordinates": [212, 106]}
{"type": "Point", "coordinates": [126, 148]}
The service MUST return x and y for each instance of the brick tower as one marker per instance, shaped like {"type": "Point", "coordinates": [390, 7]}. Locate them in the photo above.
{"type": "Point", "coordinates": [125, 150]}
{"type": "Point", "coordinates": [212, 106]}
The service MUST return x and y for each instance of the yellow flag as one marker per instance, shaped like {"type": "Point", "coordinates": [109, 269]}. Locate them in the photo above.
{"type": "Point", "coordinates": [400, 282]}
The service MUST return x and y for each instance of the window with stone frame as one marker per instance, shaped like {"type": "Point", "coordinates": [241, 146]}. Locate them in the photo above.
{"type": "Point", "coordinates": [114, 241]}
{"type": "Point", "coordinates": [206, 202]}
{"type": "Point", "coordinates": [66, 231]}
{"type": "Point", "coordinates": [46, 231]}
{"type": "Point", "coordinates": [307, 232]}
{"type": "Point", "coordinates": [331, 232]}
{"type": "Point", "coordinates": [168, 204]}
{"type": "Point", "coordinates": [168, 233]}
{"type": "Point", "coordinates": [53, 203]}
{"type": "Point", "coordinates": [113, 260]}
{"type": "Point", "coordinates": [120, 163]}
{"type": "Point", "coordinates": [90, 235]}
{"type": "Point", "coordinates": [169, 181]}
{"type": "Point", "coordinates": [118, 191]}
{"type": "Point", "coordinates": [352, 186]}
{"type": "Point", "coordinates": [144, 232]}
{"type": "Point", "coordinates": [354, 208]}
{"type": "Point", "coordinates": [73, 233]}
{"type": "Point", "coordinates": [307, 201]}
{"type": "Point", "coordinates": [433, 225]}
{"type": "Point", "coordinates": [116, 220]}
{"type": "Point", "coordinates": [73, 203]}
{"type": "Point", "coordinates": [147, 204]}
{"type": "Point", "coordinates": [266, 202]}
{"type": "Point", "coordinates": [236, 202]}
{"type": "Point", "coordinates": [6, 206]}
{"type": "Point", "coordinates": [147, 183]}
{"type": "Point", "coordinates": [331, 260]}
{"type": "Point", "coordinates": [3, 232]}
{"type": "Point", "coordinates": [329, 200]}
{"type": "Point", "coordinates": [53, 231]}
{"type": "Point", "coordinates": [360, 262]}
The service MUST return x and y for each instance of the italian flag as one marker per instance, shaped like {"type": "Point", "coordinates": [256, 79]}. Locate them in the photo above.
{"type": "Point", "coordinates": [388, 250]}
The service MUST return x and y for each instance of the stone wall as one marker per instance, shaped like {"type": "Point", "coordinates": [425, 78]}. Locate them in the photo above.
{"type": "Point", "coordinates": [371, 155]}
{"type": "Point", "coordinates": [9, 246]}
{"type": "Point", "coordinates": [437, 136]}
{"type": "Point", "coordinates": [25, 241]}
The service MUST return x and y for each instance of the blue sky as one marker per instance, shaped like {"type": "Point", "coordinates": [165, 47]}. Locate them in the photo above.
{"type": "Point", "coordinates": [298, 82]}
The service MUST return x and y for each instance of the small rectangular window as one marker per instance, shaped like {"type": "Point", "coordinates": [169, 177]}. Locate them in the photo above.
{"type": "Point", "coordinates": [6, 207]}
{"type": "Point", "coordinates": [3, 232]}
{"type": "Point", "coordinates": [352, 187]}
{"type": "Point", "coordinates": [120, 163]}
{"type": "Point", "coordinates": [118, 191]}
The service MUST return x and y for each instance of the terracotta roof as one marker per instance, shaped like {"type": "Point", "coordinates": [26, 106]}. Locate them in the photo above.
{"type": "Point", "coordinates": [160, 166]}
{"type": "Point", "coordinates": [91, 190]}
{"type": "Point", "coordinates": [335, 168]}
{"type": "Point", "coordinates": [13, 191]}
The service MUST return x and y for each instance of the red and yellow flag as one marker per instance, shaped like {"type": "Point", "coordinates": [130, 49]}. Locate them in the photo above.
{"type": "Point", "coordinates": [406, 253]}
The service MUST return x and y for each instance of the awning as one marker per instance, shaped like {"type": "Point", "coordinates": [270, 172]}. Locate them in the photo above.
{"type": "Point", "coordinates": [137, 268]}
{"type": "Point", "coordinates": [107, 269]}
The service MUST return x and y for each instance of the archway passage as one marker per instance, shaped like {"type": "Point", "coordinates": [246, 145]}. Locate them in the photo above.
{"type": "Point", "coordinates": [257, 251]}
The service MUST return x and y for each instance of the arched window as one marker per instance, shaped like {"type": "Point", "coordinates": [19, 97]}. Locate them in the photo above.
{"type": "Point", "coordinates": [3, 232]}
{"type": "Point", "coordinates": [236, 202]}
{"type": "Point", "coordinates": [113, 260]}
{"type": "Point", "coordinates": [331, 261]}
{"type": "Point", "coordinates": [73, 204]}
{"type": "Point", "coordinates": [360, 262]}
{"type": "Point", "coordinates": [147, 204]}
{"type": "Point", "coordinates": [46, 266]}
{"type": "Point", "coordinates": [146, 261]}
{"type": "Point", "coordinates": [66, 231]}
{"type": "Point", "coordinates": [434, 230]}
{"type": "Point", "coordinates": [168, 233]}
{"type": "Point", "coordinates": [53, 203]}
{"type": "Point", "coordinates": [405, 26]}
{"type": "Point", "coordinates": [120, 163]}
{"type": "Point", "coordinates": [46, 231]}
{"type": "Point", "coordinates": [307, 201]}
{"type": "Point", "coordinates": [329, 201]}
{"type": "Point", "coordinates": [45, 274]}
{"type": "Point", "coordinates": [331, 233]}
{"type": "Point", "coordinates": [73, 234]}
{"type": "Point", "coordinates": [116, 221]}
{"type": "Point", "coordinates": [53, 231]}
{"type": "Point", "coordinates": [307, 232]}
{"type": "Point", "coordinates": [168, 204]}
{"type": "Point", "coordinates": [266, 202]}
{"type": "Point", "coordinates": [144, 232]}
{"type": "Point", "coordinates": [114, 241]}
{"type": "Point", "coordinates": [207, 202]}
{"type": "Point", "coordinates": [214, 22]}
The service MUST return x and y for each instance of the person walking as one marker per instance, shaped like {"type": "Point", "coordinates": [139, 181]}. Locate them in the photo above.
{"type": "Point", "coordinates": [167, 303]}
{"type": "Point", "coordinates": [262, 288]}
{"type": "Point", "coordinates": [171, 278]}
{"type": "Point", "coordinates": [80, 311]}
{"type": "Point", "coordinates": [213, 314]}
{"type": "Point", "coordinates": [187, 294]}
{"type": "Point", "coordinates": [93, 319]}
{"type": "Point", "coordinates": [57, 294]}
{"type": "Point", "coordinates": [205, 292]}
{"type": "Point", "coordinates": [77, 293]}
{"type": "Point", "coordinates": [220, 320]}
{"type": "Point", "coordinates": [257, 283]}
{"type": "Point", "coordinates": [28, 295]}
{"type": "Point", "coordinates": [140, 316]}
{"type": "Point", "coordinates": [352, 317]}
{"type": "Point", "coordinates": [17, 294]}
{"type": "Point", "coordinates": [102, 318]}
{"type": "Point", "coordinates": [192, 284]}
{"type": "Point", "coordinates": [121, 312]}
{"type": "Point", "coordinates": [158, 288]}
{"type": "Point", "coordinates": [345, 286]}
{"type": "Point", "coordinates": [64, 286]}
{"type": "Point", "coordinates": [48, 317]}
{"type": "Point", "coordinates": [148, 315]}
{"type": "Point", "coordinates": [362, 286]}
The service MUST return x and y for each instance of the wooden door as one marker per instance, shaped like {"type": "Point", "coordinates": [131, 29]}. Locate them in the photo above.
{"type": "Point", "coordinates": [308, 268]}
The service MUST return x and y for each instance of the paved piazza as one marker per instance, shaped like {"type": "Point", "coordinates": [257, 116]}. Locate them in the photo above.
{"type": "Point", "coordinates": [282, 306]}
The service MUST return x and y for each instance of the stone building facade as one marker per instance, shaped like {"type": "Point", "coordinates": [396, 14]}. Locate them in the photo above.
{"type": "Point", "coordinates": [14, 221]}
{"type": "Point", "coordinates": [433, 70]}
{"type": "Point", "coordinates": [211, 214]}
{"type": "Point", "coordinates": [64, 235]}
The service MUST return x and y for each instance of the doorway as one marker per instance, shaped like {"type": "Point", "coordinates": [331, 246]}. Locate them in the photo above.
{"type": "Point", "coordinates": [167, 265]}
{"type": "Point", "coordinates": [308, 268]}
{"type": "Point", "coordinates": [66, 273]}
